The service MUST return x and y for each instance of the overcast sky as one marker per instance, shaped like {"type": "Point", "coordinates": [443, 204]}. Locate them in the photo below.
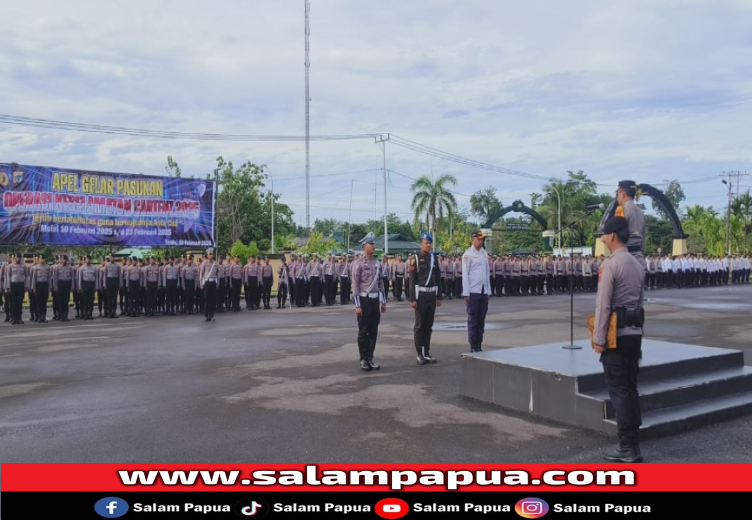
{"type": "Point", "coordinates": [649, 90]}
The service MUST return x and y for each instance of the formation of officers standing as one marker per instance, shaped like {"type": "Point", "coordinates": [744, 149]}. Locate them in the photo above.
{"type": "Point", "coordinates": [151, 287]}
{"type": "Point", "coordinates": [139, 287]}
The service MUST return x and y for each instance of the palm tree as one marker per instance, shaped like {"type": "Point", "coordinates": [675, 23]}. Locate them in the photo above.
{"type": "Point", "coordinates": [741, 208]}
{"type": "Point", "coordinates": [571, 208]}
{"type": "Point", "coordinates": [433, 199]}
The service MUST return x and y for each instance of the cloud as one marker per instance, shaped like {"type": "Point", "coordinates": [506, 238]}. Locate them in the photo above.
{"type": "Point", "coordinates": [640, 89]}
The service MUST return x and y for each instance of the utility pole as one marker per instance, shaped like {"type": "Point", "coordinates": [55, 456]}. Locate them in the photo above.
{"type": "Point", "coordinates": [271, 198]}
{"type": "Point", "coordinates": [349, 217]}
{"type": "Point", "coordinates": [381, 141]}
{"type": "Point", "coordinates": [307, 120]}
{"type": "Point", "coordinates": [730, 183]}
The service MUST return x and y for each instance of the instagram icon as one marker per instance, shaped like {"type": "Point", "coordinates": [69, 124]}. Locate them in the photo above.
{"type": "Point", "coordinates": [531, 508]}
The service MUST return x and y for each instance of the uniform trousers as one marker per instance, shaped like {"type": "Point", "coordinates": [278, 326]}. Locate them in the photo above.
{"type": "Point", "coordinates": [424, 315]}
{"type": "Point", "coordinates": [344, 284]}
{"type": "Point", "coordinates": [237, 283]}
{"type": "Point", "coordinates": [17, 291]}
{"type": "Point", "coordinates": [368, 326]}
{"type": "Point", "coordinates": [281, 294]}
{"type": "Point", "coordinates": [112, 294]}
{"type": "Point", "coordinates": [621, 368]}
{"type": "Point", "coordinates": [42, 291]}
{"type": "Point", "coordinates": [266, 284]}
{"type": "Point", "coordinates": [549, 284]}
{"type": "Point", "coordinates": [190, 296]}
{"type": "Point", "coordinates": [329, 289]}
{"type": "Point", "coordinates": [476, 317]}
{"type": "Point", "coordinates": [210, 293]}
{"type": "Point", "coordinates": [151, 298]}
{"type": "Point", "coordinates": [219, 299]}
{"type": "Point", "coordinates": [172, 296]}
{"type": "Point", "coordinates": [397, 287]}
{"type": "Point", "coordinates": [134, 288]}
{"type": "Point", "coordinates": [32, 305]}
{"type": "Point", "coordinates": [87, 291]}
{"type": "Point", "coordinates": [251, 289]}
{"type": "Point", "coordinates": [63, 297]}
{"type": "Point", "coordinates": [300, 292]}
{"type": "Point", "coordinates": [315, 291]}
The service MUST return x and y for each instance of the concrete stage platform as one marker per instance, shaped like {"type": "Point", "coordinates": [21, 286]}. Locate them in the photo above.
{"type": "Point", "coordinates": [681, 386]}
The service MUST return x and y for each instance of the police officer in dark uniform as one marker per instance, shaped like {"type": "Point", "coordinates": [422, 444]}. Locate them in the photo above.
{"type": "Point", "coordinates": [425, 296]}
{"type": "Point", "coordinates": [621, 291]}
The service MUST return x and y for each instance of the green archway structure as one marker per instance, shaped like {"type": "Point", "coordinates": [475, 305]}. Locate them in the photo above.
{"type": "Point", "coordinates": [518, 207]}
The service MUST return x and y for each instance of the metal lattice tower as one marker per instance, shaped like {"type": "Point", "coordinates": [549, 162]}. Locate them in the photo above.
{"type": "Point", "coordinates": [307, 120]}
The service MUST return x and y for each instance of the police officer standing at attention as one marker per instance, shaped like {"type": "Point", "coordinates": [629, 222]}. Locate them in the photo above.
{"type": "Point", "coordinates": [88, 284]}
{"type": "Point", "coordinates": [621, 291]}
{"type": "Point", "coordinates": [476, 288]}
{"type": "Point", "coordinates": [208, 277]}
{"type": "Point", "coordinates": [625, 195]}
{"type": "Point", "coordinates": [425, 295]}
{"type": "Point", "coordinates": [113, 277]}
{"type": "Point", "coordinates": [368, 295]}
{"type": "Point", "coordinates": [15, 286]}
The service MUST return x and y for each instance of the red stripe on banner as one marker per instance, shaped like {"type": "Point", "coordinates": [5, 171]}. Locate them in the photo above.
{"type": "Point", "coordinates": [375, 477]}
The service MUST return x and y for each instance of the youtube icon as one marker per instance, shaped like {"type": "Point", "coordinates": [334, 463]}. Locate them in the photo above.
{"type": "Point", "coordinates": [391, 508]}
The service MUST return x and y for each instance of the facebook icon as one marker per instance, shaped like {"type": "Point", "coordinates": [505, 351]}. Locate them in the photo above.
{"type": "Point", "coordinates": [111, 507]}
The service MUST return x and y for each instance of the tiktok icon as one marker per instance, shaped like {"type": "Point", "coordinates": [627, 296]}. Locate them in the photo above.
{"type": "Point", "coordinates": [251, 508]}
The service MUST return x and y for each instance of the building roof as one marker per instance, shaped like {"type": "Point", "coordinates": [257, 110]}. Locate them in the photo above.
{"type": "Point", "coordinates": [140, 252]}
{"type": "Point", "coordinates": [397, 241]}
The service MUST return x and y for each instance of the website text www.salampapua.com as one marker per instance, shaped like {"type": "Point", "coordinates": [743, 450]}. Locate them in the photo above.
{"type": "Point", "coordinates": [394, 479]}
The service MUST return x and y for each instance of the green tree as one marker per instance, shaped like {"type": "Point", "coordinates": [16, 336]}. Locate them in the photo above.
{"type": "Point", "coordinates": [316, 244]}
{"type": "Point", "coordinates": [675, 195]}
{"type": "Point", "coordinates": [434, 199]}
{"type": "Point", "coordinates": [328, 226]}
{"type": "Point", "coordinates": [172, 168]}
{"type": "Point", "coordinates": [356, 233]}
{"type": "Point", "coordinates": [265, 245]}
{"type": "Point", "coordinates": [484, 203]}
{"type": "Point", "coordinates": [243, 209]}
{"type": "Point", "coordinates": [240, 250]}
{"type": "Point", "coordinates": [394, 224]}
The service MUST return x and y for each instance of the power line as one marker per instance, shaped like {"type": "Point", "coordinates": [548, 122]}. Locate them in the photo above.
{"type": "Point", "coordinates": [427, 150]}
{"type": "Point", "coordinates": [162, 134]}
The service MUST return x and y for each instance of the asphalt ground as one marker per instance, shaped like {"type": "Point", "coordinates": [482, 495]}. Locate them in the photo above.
{"type": "Point", "coordinates": [285, 386]}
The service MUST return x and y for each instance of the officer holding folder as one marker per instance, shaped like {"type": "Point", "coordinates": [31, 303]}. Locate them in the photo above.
{"type": "Point", "coordinates": [619, 304]}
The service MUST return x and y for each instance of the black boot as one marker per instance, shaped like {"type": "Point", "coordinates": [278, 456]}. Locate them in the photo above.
{"type": "Point", "coordinates": [373, 365]}
{"type": "Point", "coordinates": [364, 365]}
{"type": "Point", "coordinates": [473, 347]}
{"type": "Point", "coordinates": [428, 356]}
{"type": "Point", "coordinates": [628, 449]}
{"type": "Point", "coordinates": [421, 358]}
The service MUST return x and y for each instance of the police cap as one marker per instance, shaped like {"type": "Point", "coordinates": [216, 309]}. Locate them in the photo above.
{"type": "Point", "coordinates": [477, 234]}
{"type": "Point", "coordinates": [630, 187]}
{"type": "Point", "coordinates": [615, 225]}
{"type": "Point", "coordinates": [369, 239]}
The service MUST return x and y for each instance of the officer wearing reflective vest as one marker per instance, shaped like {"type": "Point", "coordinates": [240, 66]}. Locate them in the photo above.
{"type": "Point", "coordinates": [620, 292]}
{"type": "Point", "coordinates": [370, 302]}
{"type": "Point", "coordinates": [425, 296]}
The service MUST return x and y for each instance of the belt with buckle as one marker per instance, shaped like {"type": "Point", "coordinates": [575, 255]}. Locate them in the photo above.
{"type": "Point", "coordinates": [369, 295]}
{"type": "Point", "coordinates": [427, 289]}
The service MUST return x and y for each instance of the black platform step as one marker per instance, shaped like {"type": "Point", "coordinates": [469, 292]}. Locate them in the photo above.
{"type": "Point", "coordinates": [678, 419]}
{"type": "Point", "coordinates": [666, 393]}
{"type": "Point", "coordinates": [715, 360]}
